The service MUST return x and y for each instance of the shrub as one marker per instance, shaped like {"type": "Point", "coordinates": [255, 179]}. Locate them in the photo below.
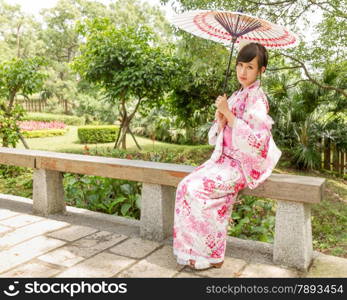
{"type": "Point", "coordinates": [43, 133]}
{"type": "Point", "coordinates": [97, 134]}
{"type": "Point", "coordinates": [253, 218]}
{"type": "Point", "coordinates": [107, 195]}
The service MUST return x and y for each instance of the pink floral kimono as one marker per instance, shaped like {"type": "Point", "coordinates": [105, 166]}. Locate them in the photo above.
{"type": "Point", "coordinates": [244, 156]}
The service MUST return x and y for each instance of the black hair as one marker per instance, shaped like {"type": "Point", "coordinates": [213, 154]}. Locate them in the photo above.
{"type": "Point", "coordinates": [251, 50]}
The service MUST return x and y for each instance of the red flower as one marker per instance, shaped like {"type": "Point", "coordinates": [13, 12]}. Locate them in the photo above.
{"type": "Point", "coordinates": [216, 254]}
{"type": "Point", "coordinates": [264, 153]}
{"type": "Point", "coordinates": [266, 148]}
{"type": "Point", "coordinates": [255, 174]}
{"type": "Point", "coordinates": [209, 185]}
{"type": "Point", "coordinates": [239, 186]}
{"type": "Point", "coordinates": [222, 211]}
{"type": "Point", "coordinates": [211, 244]}
{"type": "Point", "coordinates": [220, 160]}
{"type": "Point", "coordinates": [233, 163]}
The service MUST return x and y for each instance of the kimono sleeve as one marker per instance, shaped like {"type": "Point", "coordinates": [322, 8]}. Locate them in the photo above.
{"type": "Point", "coordinates": [213, 133]}
{"type": "Point", "coordinates": [250, 140]}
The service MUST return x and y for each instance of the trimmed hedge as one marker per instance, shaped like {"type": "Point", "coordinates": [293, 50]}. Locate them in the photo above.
{"type": "Point", "coordinates": [43, 133]}
{"type": "Point", "coordinates": [97, 134]}
{"type": "Point", "coordinates": [45, 117]}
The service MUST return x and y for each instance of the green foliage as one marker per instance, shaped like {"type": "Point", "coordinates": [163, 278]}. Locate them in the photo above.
{"type": "Point", "coordinates": [193, 157]}
{"type": "Point", "coordinates": [94, 110]}
{"type": "Point", "coordinates": [46, 117]}
{"type": "Point", "coordinates": [20, 75]}
{"type": "Point", "coordinates": [16, 76]}
{"type": "Point", "coordinates": [307, 151]}
{"type": "Point", "coordinates": [8, 124]}
{"type": "Point", "coordinates": [7, 171]}
{"type": "Point", "coordinates": [107, 195]}
{"type": "Point", "coordinates": [43, 133]}
{"type": "Point", "coordinates": [19, 32]}
{"type": "Point", "coordinates": [126, 64]}
{"type": "Point", "coordinates": [16, 181]}
{"type": "Point", "coordinates": [122, 61]}
{"type": "Point", "coordinates": [160, 125]}
{"type": "Point", "coordinates": [97, 134]}
{"type": "Point", "coordinates": [203, 65]}
{"type": "Point", "coordinates": [253, 218]}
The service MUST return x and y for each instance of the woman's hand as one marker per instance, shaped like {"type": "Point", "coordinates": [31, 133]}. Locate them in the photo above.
{"type": "Point", "coordinates": [219, 116]}
{"type": "Point", "coordinates": [222, 104]}
{"type": "Point", "coordinates": [223, 108]}
{"type": "Point", "coordinates": [221, 119]}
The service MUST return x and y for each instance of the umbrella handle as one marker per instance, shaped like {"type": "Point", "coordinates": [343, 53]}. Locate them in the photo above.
{"type": "Point", "coordinates": [228, 69]}
{"type": "Point", "coordinates": [234, 38]}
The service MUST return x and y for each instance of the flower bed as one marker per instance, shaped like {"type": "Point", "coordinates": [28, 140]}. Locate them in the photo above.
{"type": "Point", "coordinates": [39, 129]}
{"type": "Point", "coordinates": [37, 125]}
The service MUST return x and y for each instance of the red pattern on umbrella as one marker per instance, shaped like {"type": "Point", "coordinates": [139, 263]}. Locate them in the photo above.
{"type": "Point", "coordinates": [207, 24]}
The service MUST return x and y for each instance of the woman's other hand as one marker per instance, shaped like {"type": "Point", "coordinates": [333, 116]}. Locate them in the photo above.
{"type": "Point", "coordinates": [223, 108]}
{"type": "Point", "coordinates": [221, 119]}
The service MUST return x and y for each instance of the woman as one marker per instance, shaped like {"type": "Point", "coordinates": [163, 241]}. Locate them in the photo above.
{"type": "Point", "coordinates": [244, 156]}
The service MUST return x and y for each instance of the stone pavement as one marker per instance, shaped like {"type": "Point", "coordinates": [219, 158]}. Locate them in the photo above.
{"type": "Point", "coordinates": [73, 245]}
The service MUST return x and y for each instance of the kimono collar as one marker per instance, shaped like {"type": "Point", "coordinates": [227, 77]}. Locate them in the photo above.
{"type": "Point", "coordinates": [254, 85]}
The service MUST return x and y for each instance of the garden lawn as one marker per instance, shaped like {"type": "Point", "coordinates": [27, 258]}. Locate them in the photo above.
{"type": "Point", "coordinates": [70, 143]}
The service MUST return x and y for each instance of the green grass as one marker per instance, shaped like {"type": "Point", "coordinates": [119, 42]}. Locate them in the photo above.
{"type": "Point", "coordinates": [70, 143]}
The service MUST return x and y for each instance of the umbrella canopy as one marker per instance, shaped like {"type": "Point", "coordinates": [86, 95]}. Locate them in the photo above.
{"type": "Point", "coordinates": [229, 28]}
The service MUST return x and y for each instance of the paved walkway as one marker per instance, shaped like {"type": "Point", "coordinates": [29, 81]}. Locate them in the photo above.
{"type": "Point", "coordinates": [73, 246]}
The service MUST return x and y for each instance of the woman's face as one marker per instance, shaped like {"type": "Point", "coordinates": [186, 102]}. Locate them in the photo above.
{"type": "Point", "coordinates": [247, 72]}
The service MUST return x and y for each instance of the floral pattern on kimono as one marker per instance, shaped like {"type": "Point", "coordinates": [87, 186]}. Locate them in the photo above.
{"type": "Point", "coordinates": [243, 156]}
{"type": "Point", "coordinates": [251, 139]}
{"type": "Point", "coordinates": [204, 201]}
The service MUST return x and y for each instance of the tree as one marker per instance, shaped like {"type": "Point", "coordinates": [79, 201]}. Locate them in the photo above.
{"type": "Point", "coordinates": [19, 33]}
{"type": "Point", "coordinates": [62, 40]}
{"type": "Point", "coordinates": [16, 76]}
{"type": "Point", "coordinates": [127, 65]}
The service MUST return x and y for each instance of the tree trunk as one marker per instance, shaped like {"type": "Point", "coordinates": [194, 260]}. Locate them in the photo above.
{"type": "Point", "coordinates": [5, 141]}
{"type": "Point", "coordinates": [118, 135]}
{"type": "Point", "coordinates": [121, 139]}
{"type": "Point", "coordinates": [124, 138]}
{"type": "Point", "coordinates": [335, 159]}
{"type": "Point", "coordinates": [18, 39]}
{"type": "Point", "coordinates": [66, 107]}
{"type": "Point", "coordinates": [327, 154]}
{"type": "Point", "coordinates": [125, 124]}
{"type": "Point", "coordinates": [138, 146]}
{"type": "Point", "coordinates": [11, 100]}
{"type": "Point", "coordinates": [23, 141]}
{"type": "Point", "coordinates": [342, 165]}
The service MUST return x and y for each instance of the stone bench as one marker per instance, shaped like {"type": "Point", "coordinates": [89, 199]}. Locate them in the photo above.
{"type": "Point", "coordinates": [294, 195]}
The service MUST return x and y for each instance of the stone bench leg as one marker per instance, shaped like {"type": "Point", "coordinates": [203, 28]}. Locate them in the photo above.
{"type": "Point", "coordinates": [293, 235]}
{"type": "Point", "coordinates": [48, 192]}
{"type": "Point", "coordinates": [157, 211]}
